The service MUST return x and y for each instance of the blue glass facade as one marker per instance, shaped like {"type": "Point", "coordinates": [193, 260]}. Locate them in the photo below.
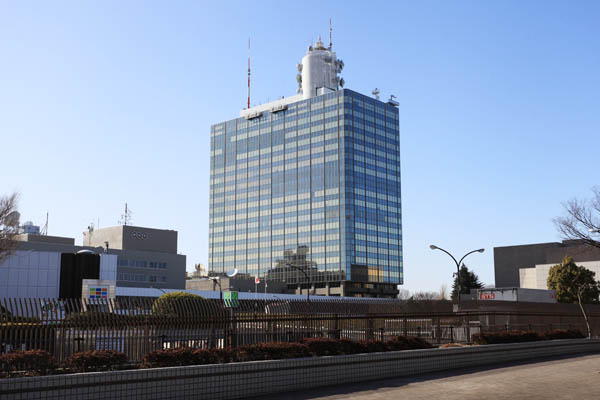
{"type": "Point", "coordinates": [317, 184]}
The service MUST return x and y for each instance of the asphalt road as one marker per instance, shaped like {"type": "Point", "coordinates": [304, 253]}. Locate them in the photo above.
{"type": "Point", "coordinates": [566, 378]}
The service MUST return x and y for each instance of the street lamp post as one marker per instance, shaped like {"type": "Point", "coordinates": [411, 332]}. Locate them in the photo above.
{"type": "Point", "coordinates": [230, 274]}
{"type": "Point", "coordinates": [458, 263]}
{"type": "Point", "coordinates": [307, 280]}
{"type": "Point", "coordinates": [217, 280]}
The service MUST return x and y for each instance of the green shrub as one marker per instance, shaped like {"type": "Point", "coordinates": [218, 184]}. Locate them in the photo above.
{"type": "Point", "coordinates": [179, 304]}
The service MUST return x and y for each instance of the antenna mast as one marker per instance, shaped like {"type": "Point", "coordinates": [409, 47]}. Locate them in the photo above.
{"type": "Point", "coordinates": [126, 217]}
{"type": "Point", "coordinates": [45, 228]}
{"type": "Point", "coordinates": [248, 72]}
{"type": "Point", "coordinates": [330, 35]}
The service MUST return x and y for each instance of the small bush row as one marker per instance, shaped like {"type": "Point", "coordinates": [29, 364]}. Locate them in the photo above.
{"type": "Point", "coordinates": [277, 351]}
{"type": "Point", "coordinates": [524, 336]}
{"type": "Point", "coordinates": [329, 347]}
{"type": "Point", "coordinates": [35, 362]}
{"type": "Point", "coordinates": [40, 362]}
{"type": "Point", "coordinates": [96, 360]}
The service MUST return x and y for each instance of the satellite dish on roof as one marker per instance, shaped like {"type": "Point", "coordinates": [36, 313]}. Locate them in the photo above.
{"type": "Point", "coordinates": [85, 252]}
{"type": "Point", "coordinates": [232, 272]}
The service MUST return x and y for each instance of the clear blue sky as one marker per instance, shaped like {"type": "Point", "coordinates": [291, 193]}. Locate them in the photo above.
{"type": "Point", "coordinates": [103, 103]}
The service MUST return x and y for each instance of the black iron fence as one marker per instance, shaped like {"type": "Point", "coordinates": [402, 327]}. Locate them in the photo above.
{"type": "Point", "coordinates": [137, 326]}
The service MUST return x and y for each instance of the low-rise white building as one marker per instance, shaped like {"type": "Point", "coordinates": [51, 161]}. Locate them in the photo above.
{"type": "Point", "coordinates": [535, 278]}
{"type": "Point", "coordinates": [36, 274]}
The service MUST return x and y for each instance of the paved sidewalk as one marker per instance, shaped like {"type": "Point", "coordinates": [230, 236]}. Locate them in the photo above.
{"type": "Point", "coordinates": [575, 378]}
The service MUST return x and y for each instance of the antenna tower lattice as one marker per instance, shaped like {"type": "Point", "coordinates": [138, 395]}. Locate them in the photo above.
{"type": "Point", "coordinates": [126, 216]}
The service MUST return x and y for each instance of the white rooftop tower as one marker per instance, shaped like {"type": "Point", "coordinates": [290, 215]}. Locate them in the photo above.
{"type": "Point", "coordinates": [319, 71]}
{"type": "Point", "coordinates": [317, 74]}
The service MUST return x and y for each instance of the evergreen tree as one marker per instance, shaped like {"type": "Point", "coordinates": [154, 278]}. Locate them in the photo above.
{"type": "Point", "coordinates": [567, 278]}
{"type": "Point", "coordinates": [468, 281]}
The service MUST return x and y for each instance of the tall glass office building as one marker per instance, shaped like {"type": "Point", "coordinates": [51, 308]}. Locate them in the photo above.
{"type": "Point", "coordinates": [311, 187]}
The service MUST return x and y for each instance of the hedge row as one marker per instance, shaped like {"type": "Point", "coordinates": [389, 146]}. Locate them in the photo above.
{"type": "Point", "coordinates": [35, 362]}
{"type": "Point", "coordinates": [277, 351]}
{"type": "Point", "coordinates": [524, 336]}
{"type": "Point", "coordinates": [40, 362]}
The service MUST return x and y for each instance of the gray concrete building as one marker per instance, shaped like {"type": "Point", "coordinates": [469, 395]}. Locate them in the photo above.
{"type": "Point", "coordinates": [509, 260]}
{"type": "Point", "coordinates": [146, 257]}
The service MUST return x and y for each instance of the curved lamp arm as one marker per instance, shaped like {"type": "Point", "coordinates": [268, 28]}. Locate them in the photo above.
{"type": "Point", "coordinates": [471, 252]}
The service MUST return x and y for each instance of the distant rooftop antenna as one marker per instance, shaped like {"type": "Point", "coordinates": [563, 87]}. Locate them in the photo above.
{"type": "Point", "coordinates": [330, 35]}
{"type": "Point", "coordinates": [125, 217]}
{"type": "Point", "coordinates": [376, 93]}
{"type": "Point", "coordinates": [248, 72]}
{"type": "Point", "coordinates": [45, 228]}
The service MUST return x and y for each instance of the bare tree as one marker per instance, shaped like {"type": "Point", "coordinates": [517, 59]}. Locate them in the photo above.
{"type": "Point", "coordinates": [403, 294]}
{"type": "Point", "coordinates": [580, 291]}
{"type": "Point", "coordinates": [9, 224]}
{"type": "Point", "coordinates": [443, 293]}
{"type": "Point", "coordinates": [582, 219]}
{"type": "Point", "coordinates": [424, 296]}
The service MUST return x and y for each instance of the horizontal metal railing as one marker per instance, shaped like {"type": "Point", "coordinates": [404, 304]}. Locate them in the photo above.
{"type": "Point", "coordinates": [138, 326]}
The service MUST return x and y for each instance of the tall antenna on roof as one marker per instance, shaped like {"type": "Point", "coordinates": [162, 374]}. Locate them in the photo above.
{"type": "Point", "coordinates": [330, 32]}
{"type": "Point", "coordinates": [45, 228]}
{"type": "Point", "coordinates": [248, 72]}
{"type": "Point", "coordinates": [126, 217]}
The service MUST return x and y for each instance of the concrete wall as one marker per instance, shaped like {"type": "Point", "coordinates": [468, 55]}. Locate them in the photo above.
{"type": "Point", "coordinates": [127, 237]}
{"type": "Point", "coordinates": [243, 380]}
{"type": "Point", "coordinates": [536, 278]}
{"type": "Point", "coordinates": [25, 237]}
{"type": "Point", "coordinates": [30, 274]}
{"type": "Point", "coordinates": [527, 278]}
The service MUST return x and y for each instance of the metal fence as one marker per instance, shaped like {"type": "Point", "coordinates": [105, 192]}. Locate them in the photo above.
{"type": "Point", "coordinates": [137, 326]}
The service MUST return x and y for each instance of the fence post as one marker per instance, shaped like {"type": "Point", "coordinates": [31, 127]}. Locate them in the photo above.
{"type": "Point", "coordinates": [468, 328]}
{"type": "Point", "coordinates": [370, 329]}
{"type": "Point", "coordinates": [405, 323]}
